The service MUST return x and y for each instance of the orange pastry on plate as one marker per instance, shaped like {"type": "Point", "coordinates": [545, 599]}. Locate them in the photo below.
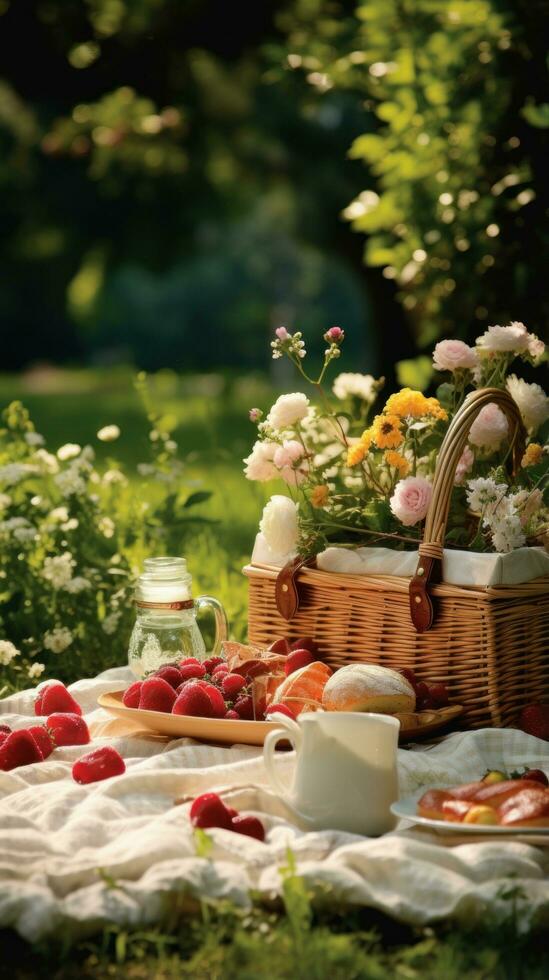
{"type": "Point", "coordinates": [303, 689]}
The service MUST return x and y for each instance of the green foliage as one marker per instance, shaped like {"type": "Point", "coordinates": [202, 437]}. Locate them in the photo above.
{"type": "Point", "coordinates": [452, 173]}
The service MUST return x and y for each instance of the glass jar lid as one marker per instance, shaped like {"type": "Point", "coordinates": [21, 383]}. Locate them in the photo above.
{"type": "Point", "coordinates": [164, 580]}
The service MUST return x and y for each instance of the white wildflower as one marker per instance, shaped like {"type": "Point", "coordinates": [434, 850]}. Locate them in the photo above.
{"type": "Point", "coordinates": [279, 524]}
{"type": "Point", "coordinates": [35, 670]}
{"type": "Point", "coordinates": [110, 623]}
{"type": "Point", "coordinates": [46, 461]}
{"type": "Point", "coordinates": [77, 584]}
{"type": "Point", "coordinates": [68, 451]}
{"type": "Point", "coordinates": [350, 384]}
{"type": "Point", "coordinates": [70, 482]}
{"type": "Point", "coordinates": [513, 338]}
{"type": "Point", "coordinates": [13, 473]}
{"type": "Point", "coordinates": [106, 527]}
{"type": "Point", "coordinates": [532, 401]}
{"type": "Point", "coordinates": [59, 514]}
{"type": "Point", "coordinates": [114, 476]}
{"type": "Point", "coordinates": [58, 570]}
{"type": "Point", "coordinates": [34, 439]}
{"type": "Point", "coordinates": [507, 533]}
{"type": "Point", "coordinates": [70, 525]}
{"type": "Point", "coordinates": [483, 492]}
{"type": "Point", "coordinates": [58, 640]}
{"type": "Point", "coordinates": [5, 501]}
{"type": "Point", "coordinates": [108, 433]}
{"type": "Point", "coordinates": [287, 410]}
{"type": "Point", "coordinates": [8, 651]}
{"type": "Point", "coordinates": [527, 503]}
{"type": "Point", "coordinates": [259, 464]}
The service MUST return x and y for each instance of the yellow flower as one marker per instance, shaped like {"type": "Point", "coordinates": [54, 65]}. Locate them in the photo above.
{"type": "Point", "coordinates": [366, 438]}
{"type": "Point", "coordinates": [386, 431]}
{"type": "Point", "coordinates": [408, 403]}
{"type": "Point", "coordinates": [356, 454]}
{"type": "Point", "coordinates": [319, 496]}
{"type": "Point", "coordinates": [533, 455]}
{"type": "Point", "coordinates": [398, 461]}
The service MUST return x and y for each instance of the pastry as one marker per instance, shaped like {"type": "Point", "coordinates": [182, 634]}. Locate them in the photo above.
{"type": "Point", "coordinates": [508, 803]}
{"type": "Point", "coordinates": [304, 687]}
{"type": "Point", "coordinates": [368, 687]}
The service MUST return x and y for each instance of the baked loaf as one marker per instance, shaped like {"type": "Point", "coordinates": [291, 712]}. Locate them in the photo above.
{"type": "Point", "coordinates": [509, 803]}
{"type": "Point", "coordinates": [368, 687]}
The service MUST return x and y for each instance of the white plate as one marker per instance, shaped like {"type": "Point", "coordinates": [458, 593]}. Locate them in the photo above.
{"type": "Point", "coordinates": [407, 810]}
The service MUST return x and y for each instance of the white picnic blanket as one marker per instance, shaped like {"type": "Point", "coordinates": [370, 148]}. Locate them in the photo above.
{"type": "Point", "coordinates": [118, 851]}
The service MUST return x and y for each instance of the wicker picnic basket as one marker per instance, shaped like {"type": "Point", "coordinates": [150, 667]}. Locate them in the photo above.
{"type": "Point", "coordinates": [490, 645]}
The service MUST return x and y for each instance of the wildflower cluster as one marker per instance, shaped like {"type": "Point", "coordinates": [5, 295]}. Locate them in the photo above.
{"type": "Point", "coordinates": [352, 478]}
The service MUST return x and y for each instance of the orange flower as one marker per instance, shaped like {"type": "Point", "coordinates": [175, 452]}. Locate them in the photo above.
{"type": "Point", "coordinates": [356, 454]}
{"type": "Point", "coordinates": [408, 403]}
{"type": "Point", "coordinates": [366, 438]}
{"type": "Point", "coordinates": [387, 431]}
{"type": "Point", "coordinates": [533, 455]}
{"type": "Point", "coordinates": [319, 496]}
{"type": "Point", "coordinates": [397, 461]}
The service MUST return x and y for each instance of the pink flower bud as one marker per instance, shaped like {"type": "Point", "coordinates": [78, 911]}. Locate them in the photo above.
{"type": "Point", "coordinates": [255, 415]}
{"type": "Point", "coordinates": [282, 333]}
{"type": "Point", "coordinates": [334, 335]}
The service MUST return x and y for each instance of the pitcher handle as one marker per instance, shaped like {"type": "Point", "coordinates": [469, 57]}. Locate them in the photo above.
{"type": "Point", "coordinates": [290, 731]}
{"type": "Point", "coordinates": [220, 616]}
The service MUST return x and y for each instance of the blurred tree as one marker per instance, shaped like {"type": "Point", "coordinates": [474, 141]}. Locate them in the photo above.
{"type": "Point", "coordinates": [455, 209]}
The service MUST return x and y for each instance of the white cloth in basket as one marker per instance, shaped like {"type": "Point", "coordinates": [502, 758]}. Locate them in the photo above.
{"type": "Point", "coordinates": [78, 857]}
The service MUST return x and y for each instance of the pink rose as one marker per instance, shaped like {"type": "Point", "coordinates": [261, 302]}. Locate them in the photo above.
{"type": "Point", "coordinates": [411, 499]}
{"type": "Point", "coordinates": [454, 355]}
{"type": "Point", "coordinates": [282, 333]}
{"type": "Point", "coordinates": [466, 461]}
{"type": "Point", "coordinates": [286, 459]}
{"type": "Point", "coordinates": [259, 464]}
{"type": "Point", "coordinates": [334, 335]}
{"type": "Point", "coordinates": [489, 428]}
{"type": "Point", "coordinates": [255, 415]}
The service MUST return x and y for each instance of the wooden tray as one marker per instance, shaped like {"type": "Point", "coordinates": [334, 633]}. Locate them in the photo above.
{"type": "Point", "coordinates": [229, 731]}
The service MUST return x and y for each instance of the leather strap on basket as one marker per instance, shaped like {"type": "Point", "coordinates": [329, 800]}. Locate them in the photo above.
{"type": "Point", "coordinates": [287, 596]}
{"type": "Point", "coordinates": [431, 550]}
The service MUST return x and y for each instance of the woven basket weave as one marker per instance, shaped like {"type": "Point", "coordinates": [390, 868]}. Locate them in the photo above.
{"type": "Point", "coordinates": [490, 645]}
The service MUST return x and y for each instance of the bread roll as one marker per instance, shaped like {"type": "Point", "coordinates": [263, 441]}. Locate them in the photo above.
{"type": "Point", "coordinates": [368, 687]}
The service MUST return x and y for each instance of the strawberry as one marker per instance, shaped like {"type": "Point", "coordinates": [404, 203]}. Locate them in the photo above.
{"type": "Point", "coordinates": [170, 674]}
{"type": "Point", "coordinates": [3, 737]}
{"type": "Point", "coordinates": [217, 700]}
{"type": "Point", "coordinates": [250, 826]}
{"type": "Point", "coordinates": [282, 708]}
{"type": "Point", "coordinates": [305, 643]}
{"type": "Point", "coordinates": [156, 695]}
{"type": "Point", "coordinates": [192, 700]}
{"type": "Point", "coordinates": [537, 775]}
{"type": "Point", "coordinates": [67, 729]}
{"type": "Point", "coordinates": [192, 670]}
{"type": "Point", "coordinates": [220, 671]}
{"type": "Point", "coordinates": [208, 810]}
{"type": "Point", "coordinates": [42, 738]}
{"type": "Point", "coordinates": [297, 659]}
{"type": "Point", "coordinates": [231, 713]}
{"type": "Point", "coordinates": [280, 646]}
{"type": "Point", "coordinates": [534, 720]}
{"type": "Point", "coordinates": [212, 662]}
{"type": "Point", "coordinates": [231, 811]}
{"type": "Point", "coordinates": [5, 729]}
{"type": "Point", "coordinates": [132, 694]}
{"type": "Point", "coordinates": [439, 694]}
{"type": "Point", "coordinates": [100, 764]}
{"type": "Point", "coordinates": [188, 660]}
{"type": "Point", "coordinates": [19, 749]}
{"type": "Point", "coordinates": [423, 697]}
{"type": "Point", "coordinates": [54, 698]}
{"type": "Point", "coordinates": [244, 707]}
{"type": "Point", "coordinates": [410, 676]}
{"type": "Point", "coordinates": [232, 684]}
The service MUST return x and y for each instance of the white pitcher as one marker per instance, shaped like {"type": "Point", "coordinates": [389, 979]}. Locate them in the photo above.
{"type": "Point", "coordinates": [346, 770]}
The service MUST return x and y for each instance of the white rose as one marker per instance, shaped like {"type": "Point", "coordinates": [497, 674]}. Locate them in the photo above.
{"type": "Point", "coordinates": [362, 386]}
{"type": "Point", "coordinates": [496, 339]}
{"type": "Point", "coordinates": [531, 399]}
{"type": "Point", "coordinates": [454, 355]}
{"type": "Point", "coordinates": [259, 464]}
{"type": "Point", "coordinates": [287, 410]}
{"type": "Point", "coordinates": [279, 524]}
{"type": "Point", "coordinates": [489, 428]}
{"type": "Point", "coordinates": [108, 433]}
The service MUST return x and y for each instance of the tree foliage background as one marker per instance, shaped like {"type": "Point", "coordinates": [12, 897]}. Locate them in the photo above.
{"type": "Point", "coordinates": [178, 177]}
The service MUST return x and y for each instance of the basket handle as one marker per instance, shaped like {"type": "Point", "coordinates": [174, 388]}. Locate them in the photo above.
{"type": "Point", "coordinates": [431, 549]}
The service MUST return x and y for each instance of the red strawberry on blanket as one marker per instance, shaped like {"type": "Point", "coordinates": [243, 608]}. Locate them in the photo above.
{"type": "Point", "coordinates": [170, 674]}
{"type": "Point", "coordinates": [132, 694]}
{"type": "Point", "coordinates": [250, 826]}
{"type": "Point", "coordinates": [156, 695]}
{"type": "Point", "coordinates": [42, 738]}
{"type": "Point", "coordinates": [54, 698]}
{"type": "Point", "coordinates": [5, 729]}
{"type": "Point", "coordinates": [4, 735]}
{"type": "Point", "coordinates": [67, 729]}
{"type": "Point", "coordinates": [100, 764]}
{"type": "Point", "coordinates": [193, 700]}
{"type": "Point", "coordinates": [283, 709]}
{"type": "Point", "coordinates": [534, 720]}
{"type": "Point", "coordinates": [208, 810]}
{"type": "Point", "coordinates": [19, 749]}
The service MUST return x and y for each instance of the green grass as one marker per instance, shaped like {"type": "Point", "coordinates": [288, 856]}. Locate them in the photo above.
{"type": "Point", "coordinates": [213, 432]}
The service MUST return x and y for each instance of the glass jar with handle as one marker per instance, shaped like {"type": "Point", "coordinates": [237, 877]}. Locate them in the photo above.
{"type": "Point", "coordinates": [166, 629]}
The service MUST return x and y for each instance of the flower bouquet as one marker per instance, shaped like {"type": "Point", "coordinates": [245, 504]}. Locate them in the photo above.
{"type": "Point", "coordinates": [424, 497]}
